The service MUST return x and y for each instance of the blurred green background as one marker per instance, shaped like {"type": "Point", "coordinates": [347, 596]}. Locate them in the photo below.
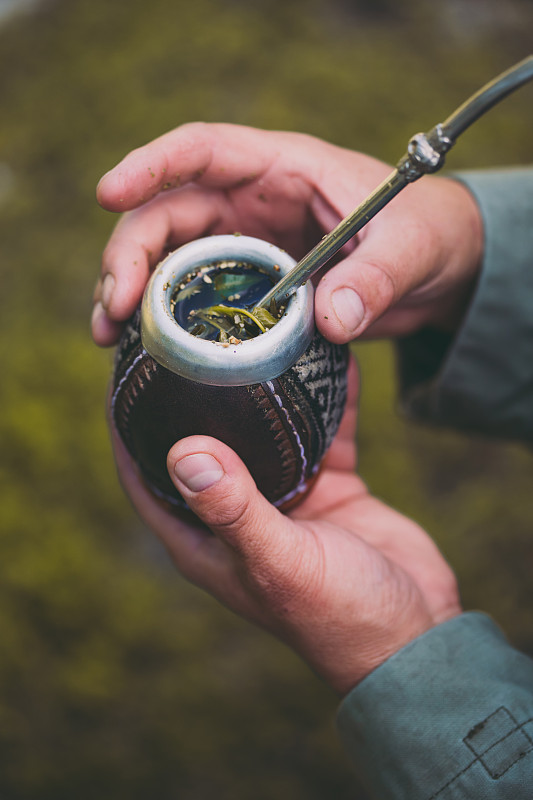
{"type": "Point", "coordinates": [117, 679]}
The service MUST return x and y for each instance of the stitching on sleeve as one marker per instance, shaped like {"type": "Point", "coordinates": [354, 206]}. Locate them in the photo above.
{"type": "Point", "coordinates": [507, 763]}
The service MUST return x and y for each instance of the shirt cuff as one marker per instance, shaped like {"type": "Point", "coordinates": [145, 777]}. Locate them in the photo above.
{"type": "Point", "coordinates": [449, 716]}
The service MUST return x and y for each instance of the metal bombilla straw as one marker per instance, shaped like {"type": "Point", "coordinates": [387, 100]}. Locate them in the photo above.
{"type": "Point", "coordinates": [425, 154]}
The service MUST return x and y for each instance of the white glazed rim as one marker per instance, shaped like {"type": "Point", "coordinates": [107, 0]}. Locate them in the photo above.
{"type": "Point", "coordinates": [252, 361]}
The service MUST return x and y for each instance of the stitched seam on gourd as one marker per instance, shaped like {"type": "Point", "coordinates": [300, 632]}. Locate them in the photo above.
{"type": "Point", "coordinates": [265, 403]}
{"type": "Point", "coordinates": [131, 390]}
{"type": "Point", "coordinates": [301, 481]}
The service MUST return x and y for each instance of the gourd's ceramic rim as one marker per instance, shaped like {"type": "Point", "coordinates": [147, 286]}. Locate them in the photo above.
{"type": "Point", "coordinates": [252, 361]}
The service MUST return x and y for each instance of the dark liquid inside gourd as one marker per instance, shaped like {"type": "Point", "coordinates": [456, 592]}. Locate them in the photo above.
{"type": "Point", "coordinates": [212, 302]}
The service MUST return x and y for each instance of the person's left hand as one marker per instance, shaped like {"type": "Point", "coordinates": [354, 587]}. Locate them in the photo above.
{"type": "Point", "coordinates": [414, 264]}
{"type": "Point", "coordinates": [343, 579]}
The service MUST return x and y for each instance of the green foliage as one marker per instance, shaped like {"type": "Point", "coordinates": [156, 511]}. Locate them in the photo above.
{"type": "Point", "coordinates": [116, 678]}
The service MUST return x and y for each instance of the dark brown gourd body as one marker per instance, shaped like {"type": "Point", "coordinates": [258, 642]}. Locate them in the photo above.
{"type": "Point", "coordinates": [281, 428]}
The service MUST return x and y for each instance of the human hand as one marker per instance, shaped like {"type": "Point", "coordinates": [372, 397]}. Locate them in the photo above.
{"type": "Point", "coordinates": [414, 264]}
{"type": "Point", "coordinates": [343, 579]}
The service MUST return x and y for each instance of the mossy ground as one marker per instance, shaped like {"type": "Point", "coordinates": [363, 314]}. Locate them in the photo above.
{"type": "Point", "coordinates": [117, 679]}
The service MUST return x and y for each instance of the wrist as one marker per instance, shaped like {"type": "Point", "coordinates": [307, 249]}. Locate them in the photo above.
{"type": "Point", "coordinates": [374, 644]}
{"type": "Point", "coordinates": [464, 254]}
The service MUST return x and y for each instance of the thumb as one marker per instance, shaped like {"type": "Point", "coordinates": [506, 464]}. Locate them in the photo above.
{"type": "Point", "coordinates": [218, 488]}
{"type": "Point", "coordinates": [356, 292]}
{"type": "Point", "coordinates": [416, 263]}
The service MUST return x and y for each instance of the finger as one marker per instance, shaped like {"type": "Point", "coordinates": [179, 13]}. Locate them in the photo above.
{"type": "Point", "coordinates": [105, 332]}
{"type": "Point", "coordinates": [220, 490]}
{"type": "Point", "coordinates": [217, 155]}
{"type": "Point", "coordinates": [140, 240]}
{"type": "Point", "coordinates": [423, 252]}
{"type": "Point", "coordinates": [199, 556]}
{"type": "Point", "coordinates": [380, 271]}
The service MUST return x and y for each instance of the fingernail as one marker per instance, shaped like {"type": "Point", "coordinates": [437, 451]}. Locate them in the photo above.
{"type": "Point", "coordinates": [108, 287]}
{"type": "Point", "coordinates": [97, 291]}
{"type": "Point", "coordinates": [98, 313]}
{"type": "Point", "coordinates": [348, 308]}
{"type": "Point", "coordinates": [198, 471]}
{"type": "Point", "coordinates": [102, 179]}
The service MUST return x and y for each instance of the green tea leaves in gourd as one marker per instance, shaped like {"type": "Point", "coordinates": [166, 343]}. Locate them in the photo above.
{"type": "Point", "coordinates": [218, 302]}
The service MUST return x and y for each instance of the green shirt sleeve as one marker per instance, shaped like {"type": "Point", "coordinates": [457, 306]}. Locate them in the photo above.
{"type": "Point", "coordinates": [448, 717]}
{"type": "Point", "coordinates": [482, 380]}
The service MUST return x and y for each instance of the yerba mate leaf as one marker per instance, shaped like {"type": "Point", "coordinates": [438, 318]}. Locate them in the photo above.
{"type": "Point", "coordinates": [227, 284]}
{"type": "Point", "coordinates": [186, 292]}
{"type": "Point", "coordinates": [265, 317]}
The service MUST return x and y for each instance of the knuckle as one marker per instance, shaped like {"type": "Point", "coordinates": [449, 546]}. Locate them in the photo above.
{"type": "Point", "coordinates": [228, 511]}
{"type": "Point", "coordinates": [382, 288]}
{"type": "Point", "coordinates": [112, 251]}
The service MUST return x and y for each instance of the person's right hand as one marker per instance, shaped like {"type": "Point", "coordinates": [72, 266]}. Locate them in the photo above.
{"type": "Point", "coordinates": [414, 264]}
{"type": "Point", "coordinates": [343, 579]}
